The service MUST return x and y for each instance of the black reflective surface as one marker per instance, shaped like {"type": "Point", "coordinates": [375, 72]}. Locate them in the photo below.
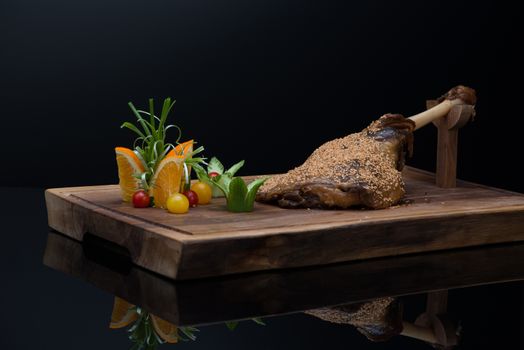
{"type": "Point", "coordinates": [50, 308]}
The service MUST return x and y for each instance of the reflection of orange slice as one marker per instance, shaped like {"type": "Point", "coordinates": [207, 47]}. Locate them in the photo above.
{"type": "Point", "coordinates": [128, 164]}
{"type": "Point", "coordinates": [123, 314]}
{"type": "Point", "coordinates": [165, 330]}
{"type": "Point", "coordinates": [168, 175]}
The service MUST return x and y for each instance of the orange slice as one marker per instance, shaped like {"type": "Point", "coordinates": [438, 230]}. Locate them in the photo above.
{"type": "Point", "coordinates": [165, 330]}
{"type": "Point", "coordinates": [183, 149]}
{"type": "Point", "coordinates": [128, 164]}
{"type": "Point", "coordinates": [123, 314]}
{"type": "Point", "coordinates": [168, 175]}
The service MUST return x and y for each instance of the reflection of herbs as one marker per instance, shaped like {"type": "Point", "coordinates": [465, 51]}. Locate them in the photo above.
{"type": "Point", "coordinates": [142, 333]}
{"type": "Point", "coordinates": [231, 325]}
{"type": "Point", "coordinates": [145, 334]}
{"type": "Point", "coordinates": [239, 196]}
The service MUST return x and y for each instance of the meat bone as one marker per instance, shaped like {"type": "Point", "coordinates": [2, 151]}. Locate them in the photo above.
{"type": "Point", "coordinates": [458, 96]}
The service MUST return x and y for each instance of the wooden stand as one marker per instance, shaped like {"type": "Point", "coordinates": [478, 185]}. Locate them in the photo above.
{"type": "Point", "coordinates": [446, 332]}
{"type": "Point", "coordinates": [434, 326]}
{"type": "Point", "coordinates": [448, 128]}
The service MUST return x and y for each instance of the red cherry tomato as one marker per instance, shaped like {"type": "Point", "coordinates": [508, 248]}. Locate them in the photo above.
{"type": "Point", "coordinates": [141, 199]}
{"type": "Point", "coordinates": [213, 174]}
{"type": "Point", "coordinates": [192, 197]}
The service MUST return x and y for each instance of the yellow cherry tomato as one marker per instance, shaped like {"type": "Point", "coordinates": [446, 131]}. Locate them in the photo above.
{"type": "Point", "coordinates": [177, 204]}
{"type": "Point", "coordinates": [203, 191]}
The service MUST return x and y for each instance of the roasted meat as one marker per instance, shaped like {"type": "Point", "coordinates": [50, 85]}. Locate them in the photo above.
{"type": "Point", "coordinates": [361, 169]}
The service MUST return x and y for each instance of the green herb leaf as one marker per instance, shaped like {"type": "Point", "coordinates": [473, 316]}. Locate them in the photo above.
{"type": "Point", "coordinates": [188, 332]}
{"type": "Point", "coordinates": [222, 183]}
{"type": "Point", "coordinates": [225, 181]}
{"type": "Point", "coordinates": [141, 120]}
{"type": "Point", "coordinates": [152, 112]}
{"type": "Point", "coordinates": [150, 146]}
{"type": "Point", "coordinates": [258, 320]}
{"type": "Point", "coordinates": [232, 325]}
{"type": "Point", "coordinates": [133, 128]}
{"type": "Point", "coordinates": [236, 199]}
{"type": "Point", "coordinates": [215, 166]}
{"type": "Point", "coordinates": [231, 171]}
{"type": "Point", "coordinates": [252, 189]}
{"type": "Point", "coordinates": [200, 172]}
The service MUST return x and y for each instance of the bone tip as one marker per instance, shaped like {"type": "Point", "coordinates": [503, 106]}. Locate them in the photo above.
{"type": "Point", "coordinates": [461, 92]}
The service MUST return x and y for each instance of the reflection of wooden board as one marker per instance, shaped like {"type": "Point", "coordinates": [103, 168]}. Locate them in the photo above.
{"type": "Point", "coordinates": [267, 293]}
{"type": "Point", "coordinates": [210, 241]}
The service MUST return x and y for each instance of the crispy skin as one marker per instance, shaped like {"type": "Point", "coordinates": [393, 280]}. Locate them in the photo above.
{"type": "Point", "coordinates": [464, 93]}
{"type": "Point", "coordinates": [361, 169]}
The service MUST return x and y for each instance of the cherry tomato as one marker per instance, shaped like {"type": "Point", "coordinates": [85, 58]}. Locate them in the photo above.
{"type": "Point", "coordinates": [203, 191]}
{"type": "Point", "coordinates": [192, 197]}
{"type": "Point", "coordinates": [213, 174]}
{"type": "Point", "coordinates": [177, 204]}
{"type": "Point", "coordinates": [141, 199]}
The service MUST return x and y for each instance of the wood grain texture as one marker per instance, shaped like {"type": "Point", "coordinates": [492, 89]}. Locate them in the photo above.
{"type": "Point", "coordinates": [447, 149]}
{"type": "Point", "coordinates": [260, 294]}
{"type": "Point", "coordinates": [447, 145]}
{"type": "Point", "coordinates": [209, 241]}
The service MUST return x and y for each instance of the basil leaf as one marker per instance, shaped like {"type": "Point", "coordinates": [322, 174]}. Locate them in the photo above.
{"type": "Point", "coordinates": [215, 166]}
{"type": "Point", "coordinates": [231, 171]}
{"type": "Point", "coordinates": [236, 200]}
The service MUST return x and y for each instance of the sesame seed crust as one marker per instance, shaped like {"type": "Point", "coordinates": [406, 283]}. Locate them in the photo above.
{"type": "Point", "coordinates": [359, 169]}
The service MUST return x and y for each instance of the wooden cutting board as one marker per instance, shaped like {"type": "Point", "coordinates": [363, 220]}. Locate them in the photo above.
{"type": "Point", "coordinates": [248, 295]}
{"type": "Point", "coordinates": [209, 241]}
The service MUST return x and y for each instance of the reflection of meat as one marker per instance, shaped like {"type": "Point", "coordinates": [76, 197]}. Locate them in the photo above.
{"type": "Point", "coordinates": [378, 320]}
{"type": "Point", "coordinates": [360, 169]}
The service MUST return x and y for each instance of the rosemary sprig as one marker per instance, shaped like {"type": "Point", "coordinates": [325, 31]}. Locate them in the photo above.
{"type": "Point", "coordinates": [150, 146]}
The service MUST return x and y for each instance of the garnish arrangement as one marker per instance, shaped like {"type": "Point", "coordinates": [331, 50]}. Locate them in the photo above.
{"type": "Point", "coordinates": [147, 331]}
{"type": "Point", "coordinates": [157, 173]}
{"type": "Point", "coordinates": [239, 196]}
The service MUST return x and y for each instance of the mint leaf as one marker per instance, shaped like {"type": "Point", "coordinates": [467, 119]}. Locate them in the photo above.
{"type": "Point", "coordinates": [215, 166]}
{"type": "Point", "coordinates": [236, 200]}
{"type": "Point", "coordinates": [231, 171]}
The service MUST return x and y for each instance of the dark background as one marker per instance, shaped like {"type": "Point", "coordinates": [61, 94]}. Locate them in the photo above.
{"type": "Point", "coordinates": [266, 81]}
